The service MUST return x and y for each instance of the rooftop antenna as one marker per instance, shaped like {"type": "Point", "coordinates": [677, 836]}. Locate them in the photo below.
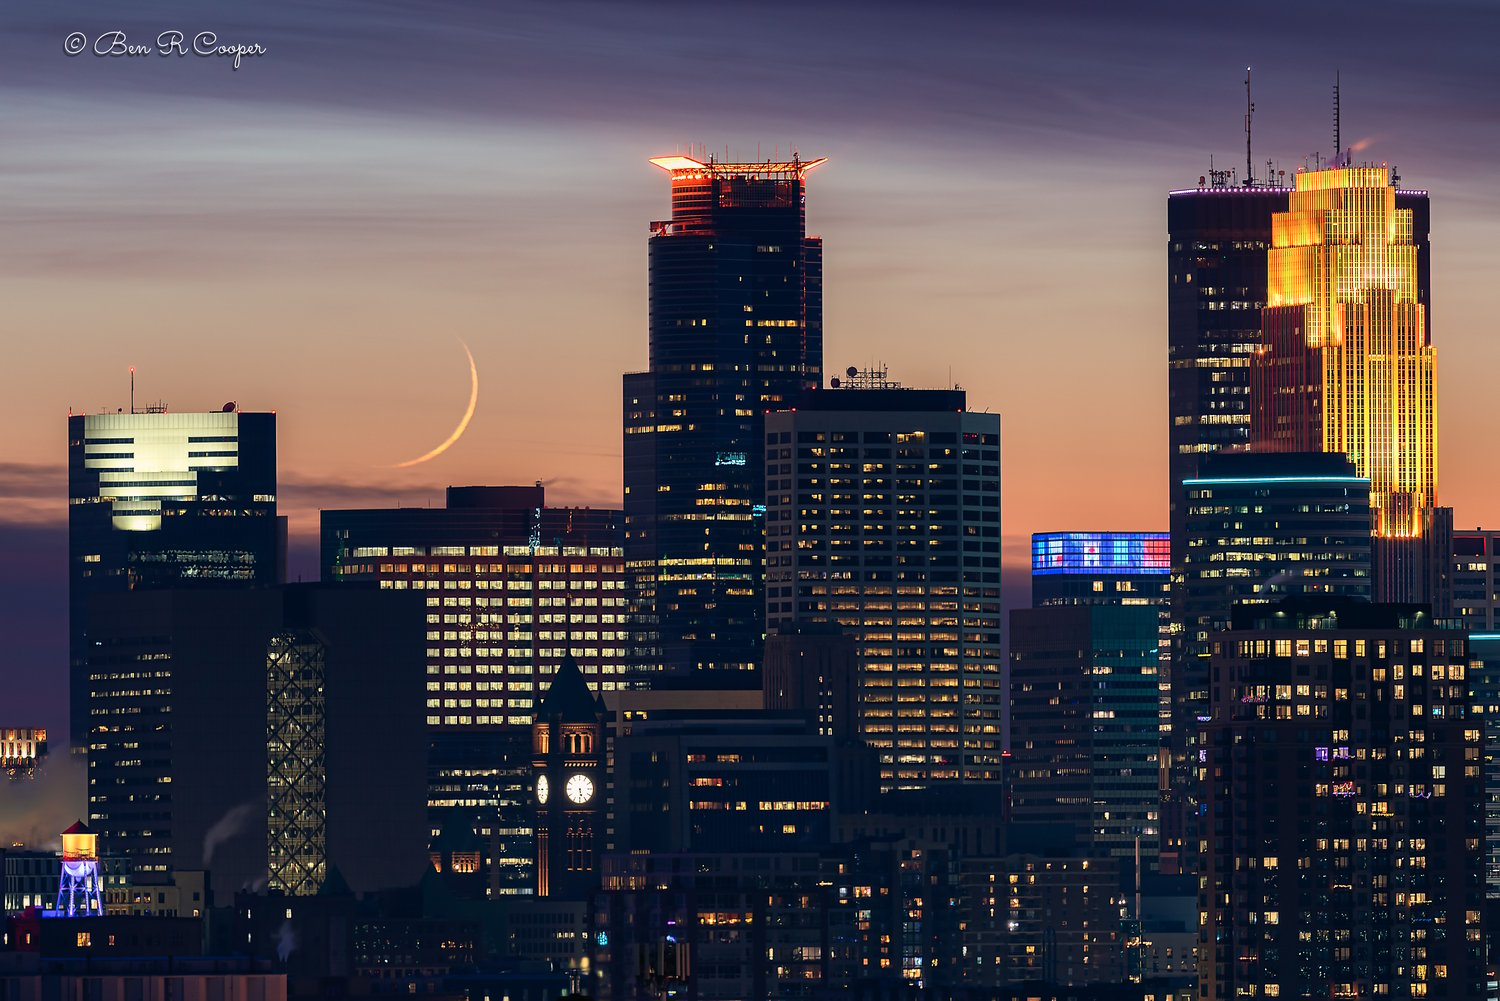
{"type": "Point", "coordinates": [1338, 145]}
{"type": "Point", "coordinates": [1249, 116]}
{"type": "Point", "coordinates": [132, 389]}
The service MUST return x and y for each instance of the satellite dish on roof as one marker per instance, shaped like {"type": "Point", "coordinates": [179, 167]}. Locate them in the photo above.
{"type": "Point", "coordinates": [229, 407]}
{"type": "Point", "coordinates": [851, 371]}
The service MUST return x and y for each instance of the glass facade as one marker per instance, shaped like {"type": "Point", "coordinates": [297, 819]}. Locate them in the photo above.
{"type": "Point", "coordinates": [296, 773]}
{"type": "Point", "coordinates": [166, 500]}
{"type": "Point", "coordinates": [736, 330]}
{"type": "Point", "coordinates": [1217, 238]}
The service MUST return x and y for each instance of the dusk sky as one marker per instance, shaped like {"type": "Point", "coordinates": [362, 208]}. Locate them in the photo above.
{"type": "Point", "coordinates": [314, 232]}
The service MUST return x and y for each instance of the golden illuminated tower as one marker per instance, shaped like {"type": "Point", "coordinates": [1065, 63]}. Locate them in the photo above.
{"type": "Point", "coordinates": [1345, 363]}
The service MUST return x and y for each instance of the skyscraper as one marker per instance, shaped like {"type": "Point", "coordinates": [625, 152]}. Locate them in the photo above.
{"type": "Point", "coordinates": [883, 516]}
{"type": "Point", "coordinates": [1257, 526]}
{"type": "Point", "coordinates": [1344, 807]}
{"type": "Point", "coordinates": [1109, 568]}
{"type": "Point", "coordinates": [1220, 236]}
{"type": "Point", "coordinates": [736, 330]}
{"type": "Point", "coordinates": [159, 499]}
{"type": "Point", "coordinates": [1217, 237]}
{"type": "Point", "coordinates": [1346, 362]}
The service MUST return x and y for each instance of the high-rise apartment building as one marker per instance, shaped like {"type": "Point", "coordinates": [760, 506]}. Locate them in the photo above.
{"type": "Point", "coordinates": [736, 330]}
{"type": "Point", "coordinates": [158, 499]}
{"type": "Point", "coordinates": [1344, 807]}
{"type": "Point", "coordinates": [512, 588]}
{"type": "Point", "coordinates": [883, 516]}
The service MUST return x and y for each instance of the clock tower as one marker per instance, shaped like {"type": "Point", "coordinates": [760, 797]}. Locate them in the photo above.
{"type": "Point", "coordinates": [567, 790]}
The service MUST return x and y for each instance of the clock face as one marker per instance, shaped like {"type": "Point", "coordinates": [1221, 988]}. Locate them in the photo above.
{"type": "Point", "coordinates": [580, 788]}
{"type": "Point", "coordinates": [541, 789]}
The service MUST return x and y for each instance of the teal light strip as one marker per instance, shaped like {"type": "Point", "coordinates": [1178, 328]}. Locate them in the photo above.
{"type": "Point", "coordinates": [1278, 479]}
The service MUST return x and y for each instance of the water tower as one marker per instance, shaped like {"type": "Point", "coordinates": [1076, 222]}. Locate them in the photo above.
{"type": "Point", "coordinates": [78, 889]}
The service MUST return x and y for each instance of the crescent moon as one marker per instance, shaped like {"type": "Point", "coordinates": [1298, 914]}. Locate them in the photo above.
{"type": "Point", "coordinates": [463, 424]}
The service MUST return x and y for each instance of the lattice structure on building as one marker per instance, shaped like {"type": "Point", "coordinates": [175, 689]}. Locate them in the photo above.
{"type": "Point", "coordinates": [296, 775]}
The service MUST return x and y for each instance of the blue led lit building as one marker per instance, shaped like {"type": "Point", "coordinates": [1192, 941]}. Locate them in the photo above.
{"type": "Point", "coordinates": [1087, 568]}
{"type": "Point", "coordinates": [1110, 568]}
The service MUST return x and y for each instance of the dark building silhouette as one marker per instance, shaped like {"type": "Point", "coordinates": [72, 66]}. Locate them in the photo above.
{"type": "Point", "coordinates": [814, 669]}
{"type": "Point", "coordinates": [721, 781]}
{"type": "Point", "coordinates": [159, 499]}
{"type": "Point", "coordinates": [1484, 690]}
{"type": "Point", "coordinates": [1217, 239]}
{"type": "Point", "coordinates": [736, 330]}
{"type": "Point", "coordinates": [1084, 733]}
{"type": "Point", "coordinates": [1344, 806]}
{"type": "Point", "coordinates": [186, 770]}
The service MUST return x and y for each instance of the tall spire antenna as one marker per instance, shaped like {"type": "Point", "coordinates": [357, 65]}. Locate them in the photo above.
{"type": "Point", "coordinates": [1338, 146]}
{"type": "Point", "coordinates": [132, 389]}
{"type": "Point", "coordinates": [1249, 116]}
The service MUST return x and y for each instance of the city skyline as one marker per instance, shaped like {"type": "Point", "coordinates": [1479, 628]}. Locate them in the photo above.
{"type": "Point", "coordinates": [976, 180]}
